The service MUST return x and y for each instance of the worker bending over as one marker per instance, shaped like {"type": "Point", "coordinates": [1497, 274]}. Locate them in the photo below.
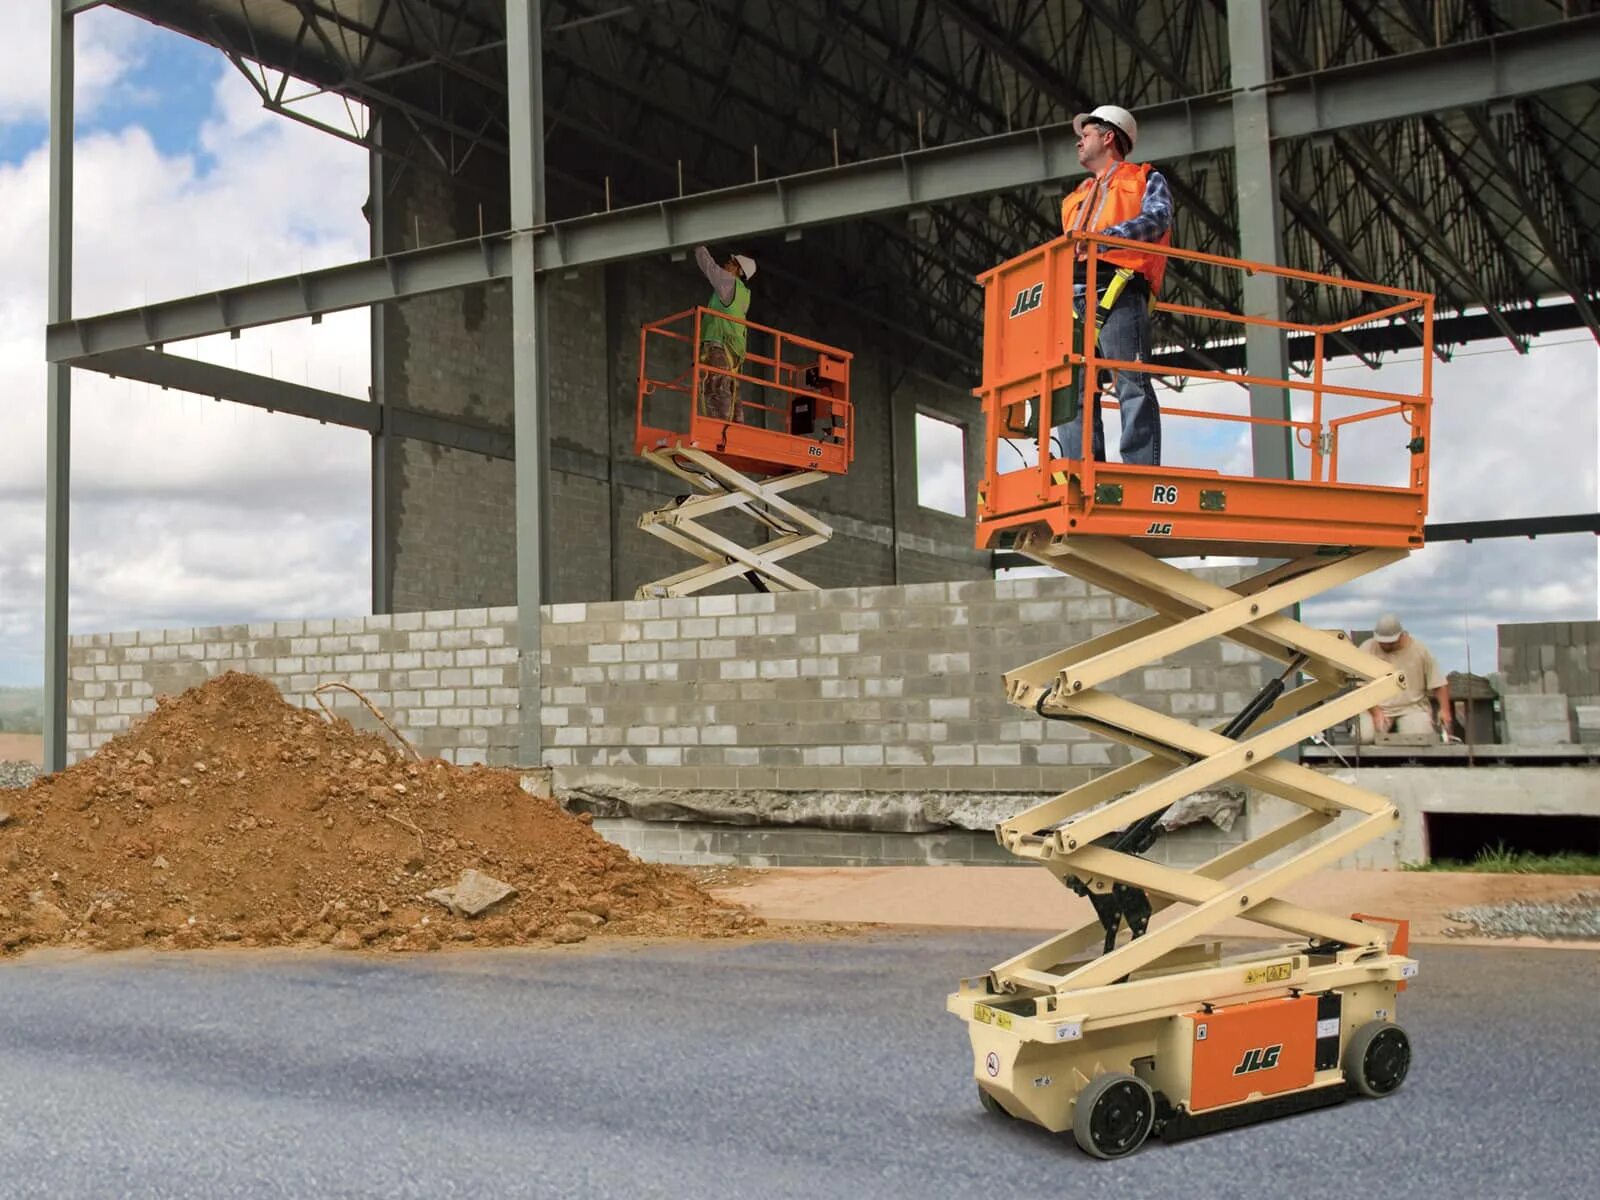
{"type": "Point", "coordinates": [1407, 711]}
{"type": "Point", "coordinates": [1125, 200]}
{"type": "Point", "coordinates": [722, 341]}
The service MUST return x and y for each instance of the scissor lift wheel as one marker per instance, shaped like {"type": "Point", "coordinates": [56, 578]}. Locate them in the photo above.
{"type": "Point", "coordinates": [1114, 1115]}
{"type": "Point", "coordinates": [1378, 1058]}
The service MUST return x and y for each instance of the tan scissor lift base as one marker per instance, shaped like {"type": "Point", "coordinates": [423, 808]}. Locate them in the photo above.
{"type": "Point", "coordinates": [1141, 1039]}
{"type": "Point", "coordinates": [723, 489]}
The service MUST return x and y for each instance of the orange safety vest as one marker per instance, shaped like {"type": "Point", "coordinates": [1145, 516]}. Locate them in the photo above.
{"type": "Point", "coordinates": [1115, 197]}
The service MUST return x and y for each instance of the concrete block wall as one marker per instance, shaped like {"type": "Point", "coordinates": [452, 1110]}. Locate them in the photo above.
{"type": "Point", "coordinates": [448, 681]}
{"type": "Point", "coordinates": [852, 689]}
{"type": "Point", "coordinates": [1551, 659]}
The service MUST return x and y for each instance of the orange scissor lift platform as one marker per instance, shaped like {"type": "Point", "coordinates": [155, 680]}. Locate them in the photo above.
{"type": "Point", "coordinates": [1034, 356]}
{"type": "Point", "coordinates": [791, 425]}
{"type": "Point", "coordinates": [1132, 1023]}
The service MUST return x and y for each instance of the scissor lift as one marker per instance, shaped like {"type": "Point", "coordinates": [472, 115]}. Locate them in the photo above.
{"type": "Point", "coordinates": [792, 426]}
{"type": "Point", "coordinates": [1127, 1026]}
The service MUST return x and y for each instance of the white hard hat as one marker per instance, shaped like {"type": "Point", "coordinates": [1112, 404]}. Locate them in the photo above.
{"type": "Point", "coordinates": [1110, 114]}
{"type": "Point", "coordinates": [747, 265]}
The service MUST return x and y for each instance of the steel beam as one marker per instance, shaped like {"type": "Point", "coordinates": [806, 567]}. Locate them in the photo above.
{"type": "Point", "coordinates": [224, 383]}
{"type": "Point", "coordinates": [58, 393]}
{"type": "Point", "coordinates": [275, 395]}
{"type": "Point", "coordinates": [1557, 54]}
{"type": "Point", "coordinates": [529, 362]}
{"type": "Point", "coordinates": [355, 285]}
{"type": "Point", "coordinates": [1260, 232]}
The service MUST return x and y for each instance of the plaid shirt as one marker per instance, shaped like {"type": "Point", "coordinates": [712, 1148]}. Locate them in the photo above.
{"type": "Point", "coordinates": [1155, 213]}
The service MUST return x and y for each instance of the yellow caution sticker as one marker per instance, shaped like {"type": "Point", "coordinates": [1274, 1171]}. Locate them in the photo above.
{"type": "Point", "coordinates": [991, 1016]}
{"type": "Point", "coordinates": [1272, 973]}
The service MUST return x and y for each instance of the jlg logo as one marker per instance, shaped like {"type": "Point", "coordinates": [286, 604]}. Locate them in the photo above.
{"type": "Point", "coordinates": [1159, 529]}
{"type": "Point", "coordinates": [1027, 300]}
{"type": "Point", "coordinates": [1262, 1058]}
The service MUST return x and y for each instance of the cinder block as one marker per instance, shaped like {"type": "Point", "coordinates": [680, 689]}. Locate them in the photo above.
{"type": "Point", "coordinates": [1536, 720]}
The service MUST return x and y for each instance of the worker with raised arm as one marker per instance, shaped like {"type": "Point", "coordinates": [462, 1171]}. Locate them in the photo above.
{"type": "Point", "coordinates": [722, 341]}
{"type": "Point", "coordinates": [1125, 200]}
{"type": "Point", "coordinates": [1407, 711]}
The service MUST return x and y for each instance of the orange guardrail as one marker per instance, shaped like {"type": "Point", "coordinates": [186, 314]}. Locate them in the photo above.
{"type": "Point", "coordinates": [1035, 348]}
{"type": "Point", "coordinates": [793, 408]}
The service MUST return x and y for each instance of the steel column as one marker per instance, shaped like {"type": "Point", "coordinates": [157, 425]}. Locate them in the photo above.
{"type": "Point", "coordinates": [58, 435]}
{"type": "Point", "coordinates": [382, 580]}
{"type": "Point", "coordinates": [1260, 230]}
{"type": "Point", "coordinates": [529, 325]}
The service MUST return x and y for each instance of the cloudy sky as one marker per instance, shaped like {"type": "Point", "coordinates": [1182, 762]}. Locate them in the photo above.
{"type": "Point", "coordinates": [188, 512]}
{"type": "Point", "coordinates": [184, 511]}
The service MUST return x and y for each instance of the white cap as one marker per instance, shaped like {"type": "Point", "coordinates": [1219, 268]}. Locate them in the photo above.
{"type": "Point", "coordinates": [747, 265]}
{"type": "Point", "coordinates": [1388, 629]}
{"type": "Point", "coordinates": [1110, 114]}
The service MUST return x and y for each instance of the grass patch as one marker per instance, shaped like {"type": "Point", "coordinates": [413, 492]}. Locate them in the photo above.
{"type": "Point", "coordinates": [1499, 860]}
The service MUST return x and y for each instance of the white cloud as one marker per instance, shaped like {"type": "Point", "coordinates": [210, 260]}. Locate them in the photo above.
{"type": "Point", "coordinates": [109, 44]}
{"type": "Point", "coordinates": [941, 465]}
{"type": "Point", "coordinates": [185, 510]}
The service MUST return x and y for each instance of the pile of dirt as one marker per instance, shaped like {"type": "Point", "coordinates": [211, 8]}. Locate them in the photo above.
{"type": "Point", "coordinates": [230, 816]}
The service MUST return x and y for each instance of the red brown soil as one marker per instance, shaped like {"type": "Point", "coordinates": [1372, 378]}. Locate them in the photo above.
{"type": "Point", "coordinates": [230, 816]}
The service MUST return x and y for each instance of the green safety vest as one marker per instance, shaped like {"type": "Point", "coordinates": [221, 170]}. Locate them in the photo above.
{"type": "Point", "coordinates": [730, 333]}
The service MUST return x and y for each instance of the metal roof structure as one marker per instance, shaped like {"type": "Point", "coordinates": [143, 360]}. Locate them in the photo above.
{"type": "Point", "coordinates": [1451, 146]}
{"type": "Point", "coordinates": [1493, 203]}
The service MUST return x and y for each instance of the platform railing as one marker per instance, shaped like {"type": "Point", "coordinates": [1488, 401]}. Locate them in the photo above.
{"type": "Point", "coordinates": [1064, 357]}
{"type": "Point", "coordinates": [780, 373]}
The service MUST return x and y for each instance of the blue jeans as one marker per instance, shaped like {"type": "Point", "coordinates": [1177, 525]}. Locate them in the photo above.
{"type": "Point", "coordinates": [1122, 334]}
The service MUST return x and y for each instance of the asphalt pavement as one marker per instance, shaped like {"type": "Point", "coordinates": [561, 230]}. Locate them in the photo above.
{"type": "Point", "coordinates": [755, 1069]}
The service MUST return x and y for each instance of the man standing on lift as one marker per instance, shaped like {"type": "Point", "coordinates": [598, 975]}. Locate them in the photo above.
{"type": "Point", "coordinates": [1125, 200]}
{"type": "Point", "coordinates": [722, 337]}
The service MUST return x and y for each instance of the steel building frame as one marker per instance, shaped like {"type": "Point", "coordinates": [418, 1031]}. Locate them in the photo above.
{"type": "Point", "coordinates": [916, 142]}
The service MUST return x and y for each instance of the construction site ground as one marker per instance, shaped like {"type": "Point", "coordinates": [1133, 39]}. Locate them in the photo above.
{"type": "Point", "coordinates": [966, 897]}
{"type": "Point", "coordinates": [735, 1068]}
{"type": "Point", "coordinates": [22, 747]}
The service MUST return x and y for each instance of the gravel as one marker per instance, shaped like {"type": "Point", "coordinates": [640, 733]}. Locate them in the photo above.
{"type": "Point", "coordinates": [17, 774]}
{"type": "Point", "coordinates": [1578, 917]}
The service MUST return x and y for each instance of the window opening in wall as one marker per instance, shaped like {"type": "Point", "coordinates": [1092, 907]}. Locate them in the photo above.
{"type": "Point", "coordinates": [1464, 837]}
{"type": "Point", "coordinates": [941, 465]}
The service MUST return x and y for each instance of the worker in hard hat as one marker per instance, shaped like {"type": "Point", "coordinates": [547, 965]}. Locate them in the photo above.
{"type": "Point", "coordinates": [722, 341]}
{"type": "Point", "coordinates": [1408, 711]}
{"type": "Point", "coordinates": [1125, 200]}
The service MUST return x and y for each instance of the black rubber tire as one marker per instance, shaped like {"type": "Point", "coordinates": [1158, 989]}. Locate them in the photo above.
{"type": "Point", "coordinates": [991, 1105]}
{"type": "Point", "coordinates": [1377, 1058]}
{"type": "Point", "coordinates": [1113, 1116]}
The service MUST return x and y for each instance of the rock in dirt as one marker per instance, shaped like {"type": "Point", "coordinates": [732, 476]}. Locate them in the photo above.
{"type": "Point", "coordinates": [565, 935]}
{"type": "Point", "coordinates": [472, 894]}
